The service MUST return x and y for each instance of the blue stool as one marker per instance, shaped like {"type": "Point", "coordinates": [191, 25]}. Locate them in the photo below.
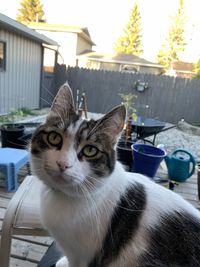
{"type": "Point", "coordinates": [11, 160]}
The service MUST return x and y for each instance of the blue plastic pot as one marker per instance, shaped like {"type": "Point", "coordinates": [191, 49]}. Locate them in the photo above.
{"type": "Point", "coordinates": [146, 159]}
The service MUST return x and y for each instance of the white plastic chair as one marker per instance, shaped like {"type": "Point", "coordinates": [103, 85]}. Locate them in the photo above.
{"type": "Point", "coordinates": [22, 217]}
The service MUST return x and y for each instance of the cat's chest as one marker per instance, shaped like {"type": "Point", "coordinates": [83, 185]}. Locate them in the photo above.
{"type": "Point", "coordinates": [57, 208]}
{"type": "Point", "coordinates": [83, 222]}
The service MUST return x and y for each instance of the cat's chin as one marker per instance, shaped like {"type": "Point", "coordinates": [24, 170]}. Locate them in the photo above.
{"type": "Point", "coordinates": [70, 180]}
{"type": "Point", "coordinates": [67, 186]}
{"type": "Point", "coordinates": [62, 181]}
{"type": "Point", "coordinates": [64, 177]}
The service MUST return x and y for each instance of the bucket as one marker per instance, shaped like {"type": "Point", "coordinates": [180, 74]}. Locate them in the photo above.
{"type": "Point", "coordinates": [11, 134]}
{"type": "Point", "coordinates": [146, 159]}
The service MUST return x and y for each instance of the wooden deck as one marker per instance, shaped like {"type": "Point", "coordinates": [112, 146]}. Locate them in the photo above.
{"type": "Point", "coordinates": [188, 190]}
{"type": "Point", "coordinates": [27, 251]}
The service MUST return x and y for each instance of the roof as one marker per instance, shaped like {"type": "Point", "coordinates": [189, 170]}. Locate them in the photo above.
{"type": "Point", "coordinates": [183, 66]}
{"type": "Point", "coordinates": [120, 58]}
{"type": "Point", "coordinates": [82, 31]}
{"type": "Point", "coordinates": [17, 27]}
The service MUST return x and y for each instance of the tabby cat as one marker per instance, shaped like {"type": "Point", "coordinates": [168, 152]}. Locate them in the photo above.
{"type": "Point", "coordinates": [100, 215]}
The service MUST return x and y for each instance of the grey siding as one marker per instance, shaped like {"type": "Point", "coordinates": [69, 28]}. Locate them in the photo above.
{"type": "Point", "coordinates": [20, 83]}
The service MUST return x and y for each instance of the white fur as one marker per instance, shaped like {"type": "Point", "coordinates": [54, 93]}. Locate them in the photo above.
{"type": "Point", "coordinates": [79, 224]}
{"type": "Point", "coordinates": [63, 262]}
{"type": "Point", "coordinates": [47, 168]}
{"type": "Point", "coordinates": [76, 207]}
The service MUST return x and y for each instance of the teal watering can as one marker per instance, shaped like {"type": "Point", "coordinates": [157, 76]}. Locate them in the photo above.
{"type": "Point", "coordinates": [180, 165]}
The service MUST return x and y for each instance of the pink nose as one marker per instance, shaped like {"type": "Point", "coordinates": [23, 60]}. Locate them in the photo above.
{"type": "Point", "coordinates": [63, 165]}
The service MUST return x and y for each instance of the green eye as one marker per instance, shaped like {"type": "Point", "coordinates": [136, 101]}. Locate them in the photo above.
{"type": "Point", "coordinates": [90, 151]}
{"type": "Point", "coordinates": [54, 139]}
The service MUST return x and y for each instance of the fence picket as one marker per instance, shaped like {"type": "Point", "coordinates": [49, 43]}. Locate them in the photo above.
{"type": "Point", "coordinates": [169, 98]}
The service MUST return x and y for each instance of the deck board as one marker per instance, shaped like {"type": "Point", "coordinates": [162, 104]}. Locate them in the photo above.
{"type": "Point", "coordinates": [21, 263]}
{"type": "Point", "coordinates": [28, 250]}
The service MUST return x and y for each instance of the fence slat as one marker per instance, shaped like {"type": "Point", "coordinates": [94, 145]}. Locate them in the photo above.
{"type": "Point", "coordinates": [168, 98]}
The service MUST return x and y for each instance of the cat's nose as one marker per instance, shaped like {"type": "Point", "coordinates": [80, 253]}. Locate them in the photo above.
{"type": "Point", "coordinates": [63, 165]}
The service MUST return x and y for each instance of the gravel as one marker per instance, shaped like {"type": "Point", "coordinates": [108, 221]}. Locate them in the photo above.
{"type": "Point", "coordinates": [183, 136]}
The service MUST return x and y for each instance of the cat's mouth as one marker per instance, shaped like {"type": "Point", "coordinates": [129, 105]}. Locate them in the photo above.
{"type": "Point", "coordinates": [63, 177]}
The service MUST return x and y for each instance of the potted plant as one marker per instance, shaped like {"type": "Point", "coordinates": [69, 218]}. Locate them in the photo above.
{"type": "Point", "coordinates": [124, 151]}
{"type": "Point", "coordinates": [11, 132]}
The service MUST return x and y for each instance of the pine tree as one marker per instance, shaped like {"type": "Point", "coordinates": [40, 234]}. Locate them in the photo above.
{"type": "Point", "coordinates": [175, 41]}
{"type": "Point", "coordinates": [30, 11]}
{"type": "Point", "coordinates": [131, 41]}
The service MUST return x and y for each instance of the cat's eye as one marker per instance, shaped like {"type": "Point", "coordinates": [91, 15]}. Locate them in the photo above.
{"type": "Point", "coordinates": [54, 138]}
{"type": "Point", "coordinates": [90, 151]}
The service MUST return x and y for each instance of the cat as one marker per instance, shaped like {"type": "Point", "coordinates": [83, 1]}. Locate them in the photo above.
{"type": "Point", "coordinates": [99, 214]}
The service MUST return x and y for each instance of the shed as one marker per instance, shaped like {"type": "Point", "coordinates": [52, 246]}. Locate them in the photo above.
{"type": "Point", "coordinates": [21, 64]}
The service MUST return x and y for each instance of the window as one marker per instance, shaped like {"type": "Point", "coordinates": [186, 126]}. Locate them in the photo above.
{"type": "Point", "coordinates": [130, 68]}
{"type": "Point", "coordinates": [49, 60]}
{"type": "Point", "coordinates": [2, 56]}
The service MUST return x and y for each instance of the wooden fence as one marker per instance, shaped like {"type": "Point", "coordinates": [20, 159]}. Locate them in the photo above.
{"type": "Point", "coordinates": [51, 83]}
{"type": "Point", "coordinates": [167, 98]}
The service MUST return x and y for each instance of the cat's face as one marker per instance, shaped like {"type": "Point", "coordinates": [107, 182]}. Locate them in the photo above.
{"type": "Point", "coordinates": [71, 154]}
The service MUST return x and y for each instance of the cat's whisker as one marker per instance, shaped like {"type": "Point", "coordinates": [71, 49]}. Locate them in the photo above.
{"type": "Point", "coordinates": [38, 170]}
{"type": "Point", "coordinates": [94, 209]}
{"type": "Point", "coordinates": [48, 91]}
{"type": "Point", "coordinates": [114, 191]}
{"type": "Point", "coordinates": [104, 206]}
{"type": "Point", "coordinates": [96, 213]}
{"type": "Point", "coordinates": [17, 144]}
{"type": "Point", "coordinates": [92, 187]}
{"type": "Point", "coordinates": [44, 100]}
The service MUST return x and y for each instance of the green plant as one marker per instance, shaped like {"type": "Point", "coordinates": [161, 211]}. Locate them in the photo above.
{"type": "Point", "coordinates": [24, 111]}
{"type": "Point", "coordinates": [15, 113]}
{"type": "Point", "coordinates": [128, 101]}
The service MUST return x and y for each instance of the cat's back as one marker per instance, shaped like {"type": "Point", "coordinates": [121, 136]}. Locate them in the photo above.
{"type": "Point", "coordinates": [168, 227]}
{"type": "Point", "coordinates": [160, 199]}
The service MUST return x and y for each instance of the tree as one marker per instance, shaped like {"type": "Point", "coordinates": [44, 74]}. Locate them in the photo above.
{"type": "Point", "coordinates": [197, 69]}
{"type": "Point", "coordinates": [130, 42]}
{"type": "Point", "coordinates": [175, 41]}
{"type": "Point", "coordinates": [30, 11]}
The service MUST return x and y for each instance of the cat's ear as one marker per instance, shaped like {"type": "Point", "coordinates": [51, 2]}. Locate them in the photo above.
{"type": "Point", "coordinates": [113, 122]}
{"type": "Point", "coordinates": [63, 103]}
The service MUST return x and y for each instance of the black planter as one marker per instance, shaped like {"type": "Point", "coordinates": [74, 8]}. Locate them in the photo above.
{"type": "Point", "coordinates": [12, 136]}
{"type": "Point", "coordinates": [124, 154]}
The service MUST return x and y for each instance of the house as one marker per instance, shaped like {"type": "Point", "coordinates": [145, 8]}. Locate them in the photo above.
{"type": "Point", "coordinates": [182, 69]}
{"type": "Point", "coordinates": [73, 40]}
{"type": "Point", "coordinates": [118, 62]}
{"type": "Point", "coordinates": [22, 52]}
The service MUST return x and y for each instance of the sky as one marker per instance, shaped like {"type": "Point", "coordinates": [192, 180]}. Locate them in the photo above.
{"type": "Point", "coordinates": [106, 19]}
